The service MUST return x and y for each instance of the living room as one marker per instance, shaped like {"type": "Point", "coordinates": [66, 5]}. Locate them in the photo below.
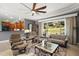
{"type": "Point", "coordinates": [39, 29]}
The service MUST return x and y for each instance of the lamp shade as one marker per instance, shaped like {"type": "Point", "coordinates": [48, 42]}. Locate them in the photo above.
{"type": "Point", "coordinates": [26, 31]}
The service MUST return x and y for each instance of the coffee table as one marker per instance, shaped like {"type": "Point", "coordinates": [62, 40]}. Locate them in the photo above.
{"type": "Point", "coordinates": [49, 48]}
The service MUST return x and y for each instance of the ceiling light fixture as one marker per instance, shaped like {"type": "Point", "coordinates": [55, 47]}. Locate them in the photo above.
{"type": "Point", "coordinates": [33, 12]}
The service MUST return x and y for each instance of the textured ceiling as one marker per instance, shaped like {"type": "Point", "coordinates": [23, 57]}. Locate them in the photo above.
{"type": "Point", "coordinates": [17, 10]}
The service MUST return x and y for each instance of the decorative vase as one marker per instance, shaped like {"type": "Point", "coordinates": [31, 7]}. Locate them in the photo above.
{"type": "Point", "coordinates": [43, 42]}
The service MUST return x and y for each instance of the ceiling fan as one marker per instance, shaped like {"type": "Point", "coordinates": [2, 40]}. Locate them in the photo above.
{"type": "Point", "coordinates": [34, 9]}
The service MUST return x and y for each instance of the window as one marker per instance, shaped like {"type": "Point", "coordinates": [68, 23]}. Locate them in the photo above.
{"type": "Point", "coordinates": [55, 27]}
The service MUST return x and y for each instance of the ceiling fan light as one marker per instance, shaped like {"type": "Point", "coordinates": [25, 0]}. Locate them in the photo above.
{"type": "Point", "coordinates": [33, 12]}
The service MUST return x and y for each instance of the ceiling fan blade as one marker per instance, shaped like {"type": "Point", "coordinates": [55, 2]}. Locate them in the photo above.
{"type": "Point", "coordinates": [25, 6]}
{"type": "Point", "coordinates": [34, 5]}
{"type": "Point", "coordinates": [41, 11]}
{"type": "Point", "coordinates": [40, 8]}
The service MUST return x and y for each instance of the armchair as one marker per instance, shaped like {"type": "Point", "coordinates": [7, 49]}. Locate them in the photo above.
{"type": "Point", "coordinates": [17, 43]}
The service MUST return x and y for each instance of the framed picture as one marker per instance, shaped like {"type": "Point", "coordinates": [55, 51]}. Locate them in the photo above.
{"type": "Point", "coordinates": [12, 26]}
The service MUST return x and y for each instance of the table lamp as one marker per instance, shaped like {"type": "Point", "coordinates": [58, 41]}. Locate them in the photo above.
{"type": "Point", "coordinates": [26, 33]}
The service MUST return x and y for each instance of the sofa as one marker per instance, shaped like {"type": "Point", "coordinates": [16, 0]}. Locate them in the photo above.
{"type": "Point", "coordinates": [62, 40]}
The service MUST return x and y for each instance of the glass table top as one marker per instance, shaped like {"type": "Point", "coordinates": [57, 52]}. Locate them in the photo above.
{"type": "Point", "coordinates": [51, 47]}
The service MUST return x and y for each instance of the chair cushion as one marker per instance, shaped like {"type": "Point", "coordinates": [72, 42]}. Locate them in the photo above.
{"type": "Point", "coordinates": [18, 43]}
{"type": "Point", "coordinates": [61, 37]}
{"type": "Point", "coordinates": [22, 46]}
{"type": "Point", "coordinates": [58, 41]}
{"type": "Point", "coordinates": [15, 40]}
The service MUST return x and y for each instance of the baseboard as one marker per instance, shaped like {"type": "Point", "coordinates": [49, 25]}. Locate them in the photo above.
{"type": "Point", "coordinates": [4, 41]}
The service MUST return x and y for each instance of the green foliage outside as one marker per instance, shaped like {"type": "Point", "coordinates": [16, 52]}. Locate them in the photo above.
{"type": "Point", "coordinates": [54, 28]}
